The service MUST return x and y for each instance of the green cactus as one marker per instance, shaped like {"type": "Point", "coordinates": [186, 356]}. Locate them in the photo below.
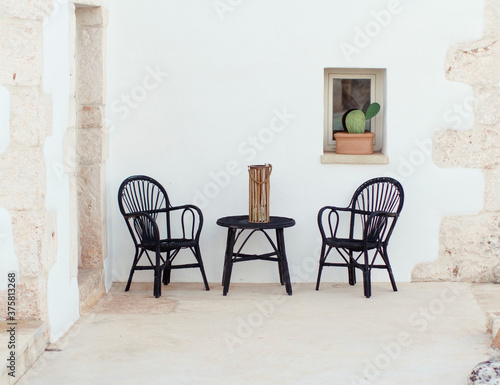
{"type": "Point", "coordinates": [355, 120]}
{"type": "Point", "coordinates": [372, 110]}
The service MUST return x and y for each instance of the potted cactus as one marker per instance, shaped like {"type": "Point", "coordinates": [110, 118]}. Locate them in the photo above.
{"type": "Point", "coordinates": [356, 141]}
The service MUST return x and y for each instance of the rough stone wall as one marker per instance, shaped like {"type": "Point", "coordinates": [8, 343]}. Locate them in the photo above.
{"type": "Point", "coordinates": [90, 135]}
{"type": "Point", "coordinates": [470, 244]}
{"type": "Point", "coordinates": [22, 166]}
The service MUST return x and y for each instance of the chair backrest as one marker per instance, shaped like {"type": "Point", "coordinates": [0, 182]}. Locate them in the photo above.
{"type": "Point", "coordinates": [140, 193]}
{"type": "Point", "coordinates": [378, 194]}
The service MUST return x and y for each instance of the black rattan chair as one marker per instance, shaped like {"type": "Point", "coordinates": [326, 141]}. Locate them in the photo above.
{"type": "Point", "coordinates": [372, 215]}
{"type": "Point", "coordinates": [143, 202]}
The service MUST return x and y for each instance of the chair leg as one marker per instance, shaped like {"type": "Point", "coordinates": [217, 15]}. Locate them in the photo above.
{"type": "Point", "coordinates": [322, 258]}
{"type": "Point", "coordinates": [197, 254]}
{"type": "Point", "coordinates": [157, 281]}
{"type": "Point", "coordinates": [167, 270]}
{"type": "Point", "coordinates": [367, 287]}
{"type": "Point", "coordinates": [351, 271]}
{"type": "Point", "coordinates": [132, 270]}
{"type": "Point", "coordinates": [166, 275]}
{"type": "Point", "coordinates": [385, 257]}
{"type": "Point", "coordinates": [367, 284]}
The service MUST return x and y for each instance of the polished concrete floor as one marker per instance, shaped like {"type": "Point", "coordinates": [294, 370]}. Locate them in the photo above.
{"type": "Point", "coordinates": [426, 333]}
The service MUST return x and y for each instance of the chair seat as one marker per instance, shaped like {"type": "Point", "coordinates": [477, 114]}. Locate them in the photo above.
{"type": "Point", "coordinates": [350, 244]}
{"type": "Point", "coordinates": [171, 244]}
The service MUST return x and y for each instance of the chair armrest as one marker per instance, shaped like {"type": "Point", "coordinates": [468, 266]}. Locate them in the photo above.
{"type": "Point", "coordinates": [142, 227]}
{"type": "Point", "coordinates": [193, 211]}
{"type": "Point", "coordinates": [333, 210]}
{"type": "Point", "coordinates": [375, 226]}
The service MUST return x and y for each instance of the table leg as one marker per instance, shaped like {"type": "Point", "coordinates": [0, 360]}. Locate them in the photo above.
{"type": "Point", "coordinates": [280, 239]}
{"type": "Point", "coordinates": [228, 260]}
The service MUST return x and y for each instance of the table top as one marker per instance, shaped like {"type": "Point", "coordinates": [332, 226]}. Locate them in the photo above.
{"type": "Point", "coordinates": [241, 222]}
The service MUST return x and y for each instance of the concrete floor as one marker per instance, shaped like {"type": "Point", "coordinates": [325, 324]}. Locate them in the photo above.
{"type": "Point", "coordinates": [427, 333]}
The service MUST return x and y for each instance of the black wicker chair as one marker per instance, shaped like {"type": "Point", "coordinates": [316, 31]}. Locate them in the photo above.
{"type": "Point", "coordinates": [373, 213]}
{"type": "Point", "coordinates": [143, 201]}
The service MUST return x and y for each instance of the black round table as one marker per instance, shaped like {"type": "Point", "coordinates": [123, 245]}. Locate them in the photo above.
{"type": "Point", "coordinates": [239, 223]}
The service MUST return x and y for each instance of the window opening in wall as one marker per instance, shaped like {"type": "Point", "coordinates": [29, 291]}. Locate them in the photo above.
{"type": "Point", "coordinates": [352, 88]}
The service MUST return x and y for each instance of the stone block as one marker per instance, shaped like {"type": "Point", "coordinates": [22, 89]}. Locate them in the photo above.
{"type": "Point", "coordinates": [476, 270]}
{"type": "Point", "coordinates": [92, 210]}
{"type": "Point", "coordinates": [492, 189]}
{"type": "Point", "coordinates": [440, 270]}
{"type": "Point", "coordinates": [90, 146]}
{"type": "Point", "coordinates": [491, 19]}
{"type": "Point", "coordinates": [90, 66]}
{"type": "Point", "coordinates": [21, 53]}
{"type": "Point", "coordinates": [31, 116]}
{"type": "Point", "coordinates": [27, 9]}
{"type": "Point", "coordinates": [91, 117]}
{"type": "Point", "coordinates": [32, 298]}
{"type": "Point", "coordinates": [90, 16]}
{"type": "Point", "coordinates": [450, 269]}
{"type": "Point", "coordinates": [28, 229]}
{"type": "Point", "coordinates": [487, 105]}
{"type": "Point", "coordinates": [476, 148]}
{"type": "Point", "coordinates": [469, 237]}
{"type": "Point", "coordinates": [474, 63]}
{"type": "Point", "coordinates": [23, 176]}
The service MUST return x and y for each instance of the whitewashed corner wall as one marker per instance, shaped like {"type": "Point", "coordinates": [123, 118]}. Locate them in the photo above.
{"type": "Point", "coordinates": [194, 86]}
{"type": "Point", "coordinates": [36, 85]}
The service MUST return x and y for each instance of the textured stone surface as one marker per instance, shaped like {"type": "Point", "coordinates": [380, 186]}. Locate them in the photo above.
{"type": "Point", "coordinates": [31, 116]}
{"type": "Point", "coordinates": [91, 16]}
{"type": "Point", "coordinates": [476, 148]}
{"type": "Point", "coordinates": [27, 9]}
{"type": "Point", "coordinates": [90, 66]}
{"type": "Point", "coordinates": [28, 228]}
{"type": "Point", "coordinates": [91, 203]}
{"type": "Point", "coordinates": [449, 269]}
{"type": "Point", "coordinates": [491, 18]}
{"type": "Point", "coordinates": [90, 146]}
{"type": "Point", "coordinates": [21, 53]}
{"type": "Point", "coordinates": [469, 250]}
{"type": "Point", "coordinates": [32, 298]}
{"type": "Point", "coordinates": [91, 117]}
{"type": "Point", "coordinates": [23, 174]}
{"type": "Point", "coordinates": [486, 373]}
{"type": "Point", "coordinates": [474, 63]}
{"type": "Point", "coordinates": [487, 105]}
{"type": "Point", "coordinates": [492, 189]}
{"type": "Point", "coordinates": [468, 236]}
{"type": "Point", "coordinates": [91, 288]}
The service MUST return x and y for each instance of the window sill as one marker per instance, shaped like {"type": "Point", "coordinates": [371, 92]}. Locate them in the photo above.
{"type": "Point", "coordinates": [375, 158]}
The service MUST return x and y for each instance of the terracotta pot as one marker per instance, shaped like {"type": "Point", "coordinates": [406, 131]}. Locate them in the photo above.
{"type": "Point", "coordinates": [354, 144]}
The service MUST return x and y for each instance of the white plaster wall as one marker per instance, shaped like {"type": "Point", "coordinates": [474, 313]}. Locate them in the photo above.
{"type": "Point", "coordinates": [62, 297]}
{"type": "Point", "coordinates": [192, 82]}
